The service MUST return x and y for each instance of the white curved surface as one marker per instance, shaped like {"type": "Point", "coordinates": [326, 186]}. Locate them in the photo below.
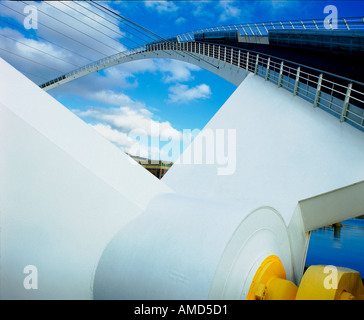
{"type": "Point", "coordinates": [68, 196]}
{"type": "Point", "coordinates": [286, 151]}
{"type": "Point", "coordinates": [187, 248]}
{"type": "Point", "coordinates": [207, 241]}
{"type": "Point", "coordinates": [260, 234]}
{"type": "Point", "coordinates": [64, 193]}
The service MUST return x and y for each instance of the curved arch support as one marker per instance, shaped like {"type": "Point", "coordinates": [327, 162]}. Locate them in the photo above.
{"type": "Point", "coordinates": [234, 64]}
{"type": "Point", "coordinates": [224, 69]}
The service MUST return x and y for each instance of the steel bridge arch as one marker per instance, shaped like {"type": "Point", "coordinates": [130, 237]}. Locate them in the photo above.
{"type": "Point", "coordinates": [342, 97]}
{"type": "Point", "coordinates": [220, 64]}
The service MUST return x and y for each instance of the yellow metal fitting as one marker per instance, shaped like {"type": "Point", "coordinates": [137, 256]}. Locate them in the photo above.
{"type": "Point", "coordinates": [269, 282]}
{"type": "Point", "coordinates": [330, 283]}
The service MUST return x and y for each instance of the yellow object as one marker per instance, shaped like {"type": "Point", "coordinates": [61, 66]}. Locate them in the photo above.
{"type": "Point", "coordinates": [318, 283]}
{"type": "Point", "coordinates": [269, 282]}
{"type": "Point", "coordinates": [330, 283]}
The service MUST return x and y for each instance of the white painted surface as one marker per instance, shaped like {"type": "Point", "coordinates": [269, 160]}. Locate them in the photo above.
{"type": "Point", "coordinates": [187, 248]}
{"type": "Point", "coordinates": [286, 151]}
{"type": "Point", "coordinates": [207, 241]}
{"type": "Point", "coordinates": [64, 193]}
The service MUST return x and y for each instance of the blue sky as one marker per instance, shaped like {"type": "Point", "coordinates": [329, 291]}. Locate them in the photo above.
{"type": "Point", "coordinates": [144, 94]}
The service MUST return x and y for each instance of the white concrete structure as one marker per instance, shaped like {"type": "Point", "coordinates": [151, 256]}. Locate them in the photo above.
{"type": "Point", "coordinates": [208, 240]}
{"type": "Point", "coordinates": [64, 193]}
{"type": "Point", "coordinates": [96, 226]}
{"type": "Point", "coordinates": [286, 151]}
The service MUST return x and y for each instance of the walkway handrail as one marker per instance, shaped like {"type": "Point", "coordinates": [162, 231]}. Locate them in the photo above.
{"type": "Point", "coordinates": [95, 66]}
{"type": "Point", "coordinates": [260, 29]}
{"type": "Point", "coordinates": [340, 96]}
{"type": "Point", "coordinates": [247, 29]}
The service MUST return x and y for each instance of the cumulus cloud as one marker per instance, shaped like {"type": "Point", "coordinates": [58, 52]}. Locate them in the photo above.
{"type": "Point", "coordinates": [201, 9]}
{"type": "Point", "coordinates": [73, 39]}
{"type": "Point", "coordinates": [228, 11]}
{"type": "Point", "coordinates": [116, 78]}
{"type": "Point", "coordinates": [181, 93]}
{"type": "Point", "coordinates": [117, 137]}
{"type": "Point", "coordinates": [133, 131]}
{"type": "Point", "coordinates": [125, 76]}
{"type": "Point", "coordinates": [112, 98]}
{"type": "Point", "coordinates": [69, 47]}
{"type": "Point", "coordinates": [130, 145]}
{"type": "Point", "coordinates": [129, 121]}
{"type": "Point", "coordinates": [180, 20]}
{"type": "Point", "coordinates": [175, 70]}
{"type": "Point", "coordinates": [161, 6]}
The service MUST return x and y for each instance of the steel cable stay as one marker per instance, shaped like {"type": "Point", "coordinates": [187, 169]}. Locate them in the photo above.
{"type": "Point", "coordinates": [340, 96]}
{"type": "Point", "coordinates": [42, 38]}
{"type": "Point", "coordinates": [111, 47]}
{"type": "Point", "coordinates": [61, 33]}
{"type": "Point", "coordinates": [20, 56]}
{"type": "Point", "coordinates": [64, 23]}
{"type": "Point", "coordinates": [121, 28]}
{"type": "Point", "coordinates": [43, 52]}
{"type": "Point", "coordinates": [153, 35]}
{"type": "Point", "coordinates": [122, 35]}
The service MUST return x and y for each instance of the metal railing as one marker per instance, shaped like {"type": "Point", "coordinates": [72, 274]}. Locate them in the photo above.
{"type": "Point", "coordinates": [340, 96]}
{"type": "Point", "coordinates": [247, 29]}
{"type": "Point", "coordinates": [262, 28]}
{"type": "Point", "coordinates": [95, 66]}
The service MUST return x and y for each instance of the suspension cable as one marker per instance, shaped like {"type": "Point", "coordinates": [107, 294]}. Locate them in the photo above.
{"type": "Point", "coordinates": [22, 29]}
{"type": "Point", "coordinates": [124, 20]}
{"type": "Point", "coordinates": [119, 33]}
{"type": "Point", "coordinates": [117, 50]}
{"type": "Point", "coordinates": [18, 55]}
{"type": "Point", "coordinates": [85, 45]}
{"type": "Point", "coordinates": [51, 55]}
{"type": "Point", "coordinates": [152, 33]}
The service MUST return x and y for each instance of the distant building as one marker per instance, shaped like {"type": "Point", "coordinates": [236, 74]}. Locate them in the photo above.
{"type": "Point", "coordinates": [156, 167]}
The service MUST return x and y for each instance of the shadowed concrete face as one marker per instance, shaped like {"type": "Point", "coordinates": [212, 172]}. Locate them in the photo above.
{"type": "Point", "coordinates": [64, 191]}
{"type": "Point", "coordinates": [94, 225]}
{"type": "Point", "coordinates": [208, 240]}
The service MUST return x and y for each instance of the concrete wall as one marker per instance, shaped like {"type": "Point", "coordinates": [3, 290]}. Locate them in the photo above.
{"type": "Point", "coordinates": [65, 191]}
{"type": "Point", "coordinates": [208, 240]}
{"type": "Point", "coordinates": [286, 151]}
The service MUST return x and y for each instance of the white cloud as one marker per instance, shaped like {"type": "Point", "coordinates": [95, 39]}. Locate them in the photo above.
{"type": "Point", "coordinates": [180, 20]}
{"type": "Point", "coordinates": [111, 98]}
{"type": "Point", "coordinates": [126, 76]}
{"type": "Point", "coordinates": [201, 9]}
{"type": "Point", "coordinates": [134, 131]}
{"type": "Point", "coordinates": [161, 6]}
{"type": "Point", "coordinates": [130, 145]}
{"type": "Point", "coordinates": [29, 55]}
{"type": "Point", "coordinates": [117, 137]}
{"type": "Point", "coordinates": [228, 11]}
{"type": "Point", "coordinates": [176, 70]}
{"type": "Point", "coordinates": [129, 121]}
{"type": "Point", "coordinates": [181, 93]}
{"type": "Point", "coordinates": [68, 36]}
